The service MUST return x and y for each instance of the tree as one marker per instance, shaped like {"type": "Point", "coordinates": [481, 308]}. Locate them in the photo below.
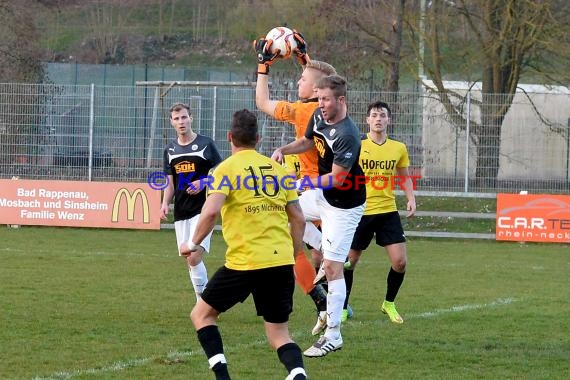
{"type": "Point", "coordinates": [20, 56]}
{"type": "Point", "coordinates": [368, 34]}
{"type": "Point", "coordinates": [498, 41]}
{"type": "Point", "coordinates": [106, 23]}
{"type": "Point", "coordinates": [19, 62]}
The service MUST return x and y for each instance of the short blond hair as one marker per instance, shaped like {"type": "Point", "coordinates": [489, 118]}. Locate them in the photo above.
{"type": "Point", "coordinates": [325, 68]}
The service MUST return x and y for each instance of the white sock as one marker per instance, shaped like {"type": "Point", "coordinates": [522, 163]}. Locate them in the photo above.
{"type": "Point", "coordinates": [335, 302]}
{"type": "Point", "coordinates": [199, 278]}
{"type": "Point", "coordinates": [312, 236]}
{"type": "Point", "coordinates": [333, 333]}
{"type": "Point", "coordinates": [218, 358]}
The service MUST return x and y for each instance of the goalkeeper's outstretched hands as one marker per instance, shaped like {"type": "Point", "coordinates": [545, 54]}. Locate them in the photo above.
{"type": "Point", "coordinates": [301, 49]}
{"type": "Point", "coordinates": [265, 57]}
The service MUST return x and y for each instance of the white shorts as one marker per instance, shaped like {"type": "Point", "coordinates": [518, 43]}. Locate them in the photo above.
{"type": "Point", "coordinates": [185, 230]}
{"type": "Point", "coordinates": [337, 224]}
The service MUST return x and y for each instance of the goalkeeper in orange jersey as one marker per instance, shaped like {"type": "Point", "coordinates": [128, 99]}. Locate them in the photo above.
{"type": "Point", "coordinates": [298, 115]}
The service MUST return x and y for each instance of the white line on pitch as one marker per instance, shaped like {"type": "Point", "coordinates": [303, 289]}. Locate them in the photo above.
{"type": "Point", "coordinates": [122, 365]}
{"type": "Point", "coordinates": [460, 308]}
{"type": "Point", "coordinates": [119, 366]}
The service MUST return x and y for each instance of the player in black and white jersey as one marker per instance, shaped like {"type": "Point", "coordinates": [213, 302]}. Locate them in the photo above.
{"type": "Point", "coordinates": [187, 159]}
{"type": "Point", "coordinates": [339, 200]}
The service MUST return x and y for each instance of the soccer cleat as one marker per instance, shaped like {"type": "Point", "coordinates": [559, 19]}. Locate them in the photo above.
{"type": "Point", "coordinates": [389, 309]}
{"type": "Point", "coordinates": [321, 322]}
{"type": "Point", "coordinates": [346, 313]}
{"type": "Point", "coordinates": [320, 273]}
{"type": "Point", "coordinates": [296, 371]}
{"type": "Point", "coordinates": [323, 346]}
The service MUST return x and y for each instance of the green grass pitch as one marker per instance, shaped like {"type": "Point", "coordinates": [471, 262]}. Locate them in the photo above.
{"type": "Point", "coordinates": [114, 304]}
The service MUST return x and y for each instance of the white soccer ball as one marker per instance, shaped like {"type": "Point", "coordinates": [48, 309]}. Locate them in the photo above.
{"type": "Point", "coordinates": [283, 40]}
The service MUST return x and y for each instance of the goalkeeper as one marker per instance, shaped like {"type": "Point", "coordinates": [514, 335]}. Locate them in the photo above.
{"type": "Point", "coordinates": [298, 115]}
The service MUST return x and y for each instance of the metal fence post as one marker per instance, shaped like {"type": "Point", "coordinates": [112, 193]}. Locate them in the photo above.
{"type": "Point", "coordinates": [468, 121]}
{"type": "Point", "coordinates": [91, 125]}
{"type": "Point", "coordinates": [214, 107]}
{"type": "Point", "coordinates": [568, 151]}
{"type": "Point", "coordinates": [153, 122]}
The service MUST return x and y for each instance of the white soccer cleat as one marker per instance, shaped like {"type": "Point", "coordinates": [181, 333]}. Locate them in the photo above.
{"type": "Point", "coordinates": [321, 323]}
{"type": "Point", "coordinates": [323, 346]}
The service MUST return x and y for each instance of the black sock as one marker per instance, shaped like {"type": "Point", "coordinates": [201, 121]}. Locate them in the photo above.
{"type": "Point", "coordinates": [221, 371]}
{"type": "Point", "coordinates": [290, 355]}
{"type": "Point", "coordinates": [211, 342]}
{"type": "Point", "coordinates": [348, 279]}
{"type": "Point", "coordinates": [393, 283]}
{"type": "Point", "coordinates": [319, 297]}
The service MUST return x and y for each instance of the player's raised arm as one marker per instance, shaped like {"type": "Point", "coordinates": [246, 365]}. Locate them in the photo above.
{"type": "Point", "coordinates": [298, 146]}
{"type": "Point", "coordinates": [264, 60]}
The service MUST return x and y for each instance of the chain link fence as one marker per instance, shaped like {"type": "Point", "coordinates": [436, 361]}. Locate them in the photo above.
{"type": "Point", "coordinates": [128, 75]}
{"type": "Point", "coordinates": [118, 133]}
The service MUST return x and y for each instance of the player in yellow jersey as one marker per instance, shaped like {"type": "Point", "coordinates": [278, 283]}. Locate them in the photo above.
{"type": "Point", "coordinates": [249, 188]}
{"type": "Point", "coordinates": [298, 115]}
{"type": "Point", "coordinates": [385, 162]}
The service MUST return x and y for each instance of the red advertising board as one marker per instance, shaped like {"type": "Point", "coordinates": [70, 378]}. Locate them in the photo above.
{"type": "Point", "coordinates": [533, 217]}
{"type": "Point", "coordinates": [79, 204]}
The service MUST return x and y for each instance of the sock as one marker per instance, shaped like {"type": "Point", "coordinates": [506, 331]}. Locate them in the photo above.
{"type": "Point", "coordinates": [348, 279]}
{"type": "Point", "coordinates": [335, 301]}
{"type": "Point", "coordinates": [290, 355]}
{"type": "Point", "coordinates": [211, 342]}
{"type": "Point", "coordinates": [333, 333]}
{"type": "Point", "coordinates": [393, 283]}
{"type": "Point", "coordinates": [304, 274]}
{"type": "Point", "coordinates": [221, 371]}
{"type": "Point", "coordinates": [298, 374]}
{"type": "Point", "coordinates": [319, 297]}
{"type": "Point", "coordinates": [199, 278]}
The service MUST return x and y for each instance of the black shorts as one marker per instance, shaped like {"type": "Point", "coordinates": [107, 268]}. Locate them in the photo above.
{"type": "Point", "coordinates": [387, 227]}
{"type": "Point", "coordinates": [272, 290]}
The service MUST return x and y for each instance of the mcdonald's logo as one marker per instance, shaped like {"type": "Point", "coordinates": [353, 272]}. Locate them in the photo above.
{"type": "Point", "coordinates": [131, 203]}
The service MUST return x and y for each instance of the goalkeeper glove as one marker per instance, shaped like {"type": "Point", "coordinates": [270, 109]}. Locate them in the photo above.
{"type": "Point", "coordinates": [301, 49]}
{"type": "Point", "coordinates": [265, 57]}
